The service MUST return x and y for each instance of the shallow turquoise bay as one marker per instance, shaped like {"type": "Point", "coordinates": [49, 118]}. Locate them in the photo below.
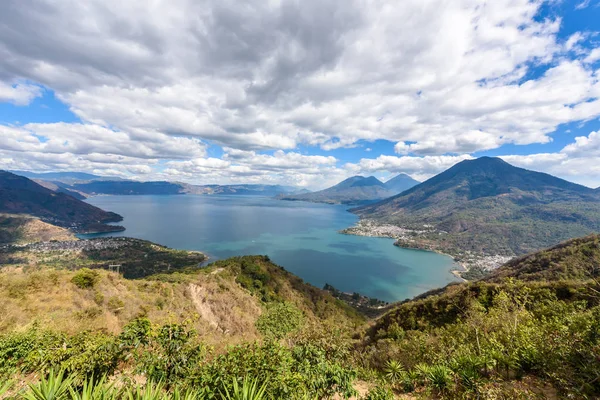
{"type": "Point", "coordinates": [301, 237]}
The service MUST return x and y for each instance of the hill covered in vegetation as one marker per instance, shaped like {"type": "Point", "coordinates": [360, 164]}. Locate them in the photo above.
{"type": "Point", "coordinates": [201, 326]}
{"type": "Point", "coordinates": [529, 330]}
{"type": "Point", "coordinates": [20, 195]}
{"type": "Point", "coordinates": [21, 229]}
{"type": "Point", "coordinates": [536, 317]}
{"type": "Point", "coordinates": [491, 207]}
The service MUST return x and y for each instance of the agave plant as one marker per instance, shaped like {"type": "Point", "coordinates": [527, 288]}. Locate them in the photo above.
{"type": "Point", "coordinates": [4, 387]}
{"type": "Point", "coordinates": [94, 390]}
{"type": "Point", "coordinates": [150, 391]}
{"type": "Point", "coordinates": [55, 387]}
{"type": "Point", "coordinates": [440, 377]}
{"type": "Point", "coordinates": [408, 380]}
{"type": "Point", "coordinates": [250, 390]}
{"type": "Point", "coordinates": [393, 371]}
{"type": "Point", "coordinates": [469, 379]}
{"type": "Point", "coordinates": [422, 373]}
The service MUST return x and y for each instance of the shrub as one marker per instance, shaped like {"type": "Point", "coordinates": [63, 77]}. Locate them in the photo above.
{"type": "Point", "coordinates": [86, 278]}
{"type": "Point", "coordinates": [170, 354]}
{"type": "Point", "coordinates": [379, 393]}
{"type": "Point", "coordinates": [279, 320]}
{"type": "Point", "coordinates": [115, 304]}
{"type": "Point", "coordinates": [98, 298]}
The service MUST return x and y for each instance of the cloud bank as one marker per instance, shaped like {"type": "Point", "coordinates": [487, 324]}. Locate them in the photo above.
{"type": "Point", "coordinates": [154, 85]}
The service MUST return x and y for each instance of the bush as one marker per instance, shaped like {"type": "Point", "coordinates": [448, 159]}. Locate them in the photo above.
{"type": "Point", "coordinates": [115, 304]}
{"type": "Point", "coordinates": [379, 393]}
{"type": "Point", "coordinates": [86, 278]}
{"type": "Point", "coordinates": [279, 320]}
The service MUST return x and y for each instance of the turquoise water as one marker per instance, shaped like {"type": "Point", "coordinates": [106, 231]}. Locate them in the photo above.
{"type": "Point", "coordinates": [302, 237]}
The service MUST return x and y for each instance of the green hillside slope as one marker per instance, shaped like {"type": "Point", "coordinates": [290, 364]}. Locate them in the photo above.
{"type": "Point", "coordinates": [530, 330]}
{"type": "Point", "coordinates": [20, 195]}
{"type": "Point", "coordinates": [489, 206]}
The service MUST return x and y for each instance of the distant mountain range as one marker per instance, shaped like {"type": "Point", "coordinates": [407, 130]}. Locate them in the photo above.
{"type": "Point", "coordinates": [356, 190]}
{"type": "Point", "coordinates": [80, 185]}
{"type": "Point", "coordinates": [60, 188]}
{"type": "Point", "coordinates": [127, 187]}
{"type": "Point", "coordinates": [487, 205]}
{"type": "Point", "coordinates": [400, 183]}
{"type": "Point", "coordinates": [240, 189]}
{"type": "Point", "coordinates": [66, 177]}
{"type": "Point", "coordinates": [20, 195]}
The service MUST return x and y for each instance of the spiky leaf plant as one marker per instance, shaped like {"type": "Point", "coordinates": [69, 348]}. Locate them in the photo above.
{"type": "Point", "coordinates": [440, 377]}
{"type": "Point", "coordinates": [54, 387]}
{"type": "Point", "coordinates": [250, 390]}
{"type": "Point", "coordinates": [393, 371]}
{"type": "Point", "coordinates": [4, 387]}
{"type": "Point", "coordinates": [93, 389]}
{"type": "Point", "coordinates": [150, 391]}
{"type": "Point", "coordinates": [188, 394]}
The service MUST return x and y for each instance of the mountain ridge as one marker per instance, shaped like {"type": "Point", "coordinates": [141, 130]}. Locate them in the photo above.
{"type": "Point", "coordinates": [401, 182]}
{"type": "Point", "coordinates": [489, 206]}
{"type": "Point", "coordinates": [356, 190]}
{"type": "Point", "coordinates": [20, 195]}
{"type": "Point", "coordinates": [81, 184]}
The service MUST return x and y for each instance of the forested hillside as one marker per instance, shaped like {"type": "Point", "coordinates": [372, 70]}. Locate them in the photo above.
{"type": "Point", "coordinates": [491, 207]}
{"type": "Point", "coordinates": [20, 195]}
{"type": "Point", "coordinates": [529, 330]}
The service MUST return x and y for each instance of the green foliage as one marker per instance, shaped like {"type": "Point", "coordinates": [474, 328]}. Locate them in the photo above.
{"type": "Point", "coordinates": [393, 371]}
{"type": "Point", "coordinates": [574, 259]}
{"type": "Point", "coordinates": [279, 320]}
{"type": "Point", "coordinates": [150, 391]}
{"type": "Point", "coordinates": [86, 278]}
{"type": "Point", "coordinates": [290, 372]}
{"type": "Point", "coordinates": [115, 304]}
{"type": "Point", "coordinates": [54, 387]}
{"type": "Point", "coordinates": [188, 394]}
{"type": "Point", "coordinates": [249, 390]}
{"type": "Point", "coordinates": [379, 393]}
{"type": "Point", "coordinates": [170, 353]}
{"type": "Point", "coordinates": [440, 377]}
{"type": "Point", "coordinates": [257, 280]}
{"type": "Point", "coordinates": [5, 387]}
{"type": "Point", "coordinates": [14, 348]}
{"type": "Point", "coordinates": [94, 389]}
{"type": "Point", "coordinates": [469, 336]}
{"type": "Point", "coordinates": [136, 333]}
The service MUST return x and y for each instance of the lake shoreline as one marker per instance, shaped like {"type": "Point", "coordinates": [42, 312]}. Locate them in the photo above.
{"type": "Point", "coordinates": [302, 237]}
{"type": "Point", "coordinates": [409, 239]}
{"type": "Point", "coordinates": [386, 231]}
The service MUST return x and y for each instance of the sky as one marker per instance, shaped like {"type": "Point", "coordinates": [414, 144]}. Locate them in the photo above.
{"type": "Point", "coordinates": [297, 92]}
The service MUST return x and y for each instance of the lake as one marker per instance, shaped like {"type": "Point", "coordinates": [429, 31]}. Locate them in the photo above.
{"type": "Point", "coordinates": [302, 237]}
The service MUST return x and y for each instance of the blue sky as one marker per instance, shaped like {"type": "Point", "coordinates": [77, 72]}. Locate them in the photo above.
{"type": "Point", "coordinates": [299, 93]}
